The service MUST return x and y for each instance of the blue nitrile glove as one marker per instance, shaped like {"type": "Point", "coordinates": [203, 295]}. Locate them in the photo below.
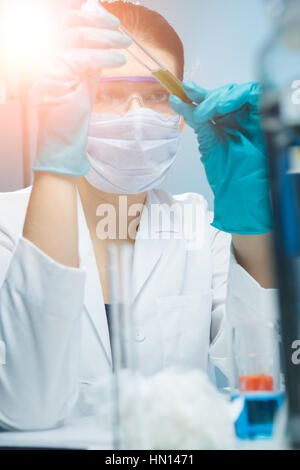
{"type": "Point", "coordinates": [65, 93]}
{"type": "Point", "coordinates": [231, 142]}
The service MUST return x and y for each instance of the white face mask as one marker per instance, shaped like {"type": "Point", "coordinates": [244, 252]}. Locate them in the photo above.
{"type": "Point", "coordinates": [131, 154]}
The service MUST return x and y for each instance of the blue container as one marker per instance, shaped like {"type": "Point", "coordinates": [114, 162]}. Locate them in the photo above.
{"type": "Point", "coordinates": [256, 420]}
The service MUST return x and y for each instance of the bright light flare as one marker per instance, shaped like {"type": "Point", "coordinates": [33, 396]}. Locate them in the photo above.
{"type": "Point", "coordinates": [28, 32]}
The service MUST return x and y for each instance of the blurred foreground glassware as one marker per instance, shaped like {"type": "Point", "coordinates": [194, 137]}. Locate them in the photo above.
{"type": "Point", "coordinates": [280, 74]}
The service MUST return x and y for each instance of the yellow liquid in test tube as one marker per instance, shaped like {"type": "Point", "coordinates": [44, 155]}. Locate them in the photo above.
{"type": "Point", "coordinates": [171, 83]}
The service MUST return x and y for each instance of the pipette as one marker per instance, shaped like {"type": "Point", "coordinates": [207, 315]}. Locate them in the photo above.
{"type": "Point", "coordinates": [167, 79]}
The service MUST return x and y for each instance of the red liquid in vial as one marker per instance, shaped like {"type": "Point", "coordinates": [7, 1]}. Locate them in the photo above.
{"type": "Point", "coordinates": [255, 383]}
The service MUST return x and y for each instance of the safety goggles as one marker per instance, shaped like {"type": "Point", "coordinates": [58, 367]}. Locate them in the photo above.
{"type": "Point", "coordinates": [115, 95]}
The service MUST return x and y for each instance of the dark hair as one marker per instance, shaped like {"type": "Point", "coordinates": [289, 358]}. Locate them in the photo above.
{"type": "Point", "coordinates": [149, 26]}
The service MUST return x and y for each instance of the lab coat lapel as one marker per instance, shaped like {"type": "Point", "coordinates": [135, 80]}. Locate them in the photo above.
{"type": "Point", "coordinates": [150, 245]}
{"type": "Point", "coordinates": [94, 302]}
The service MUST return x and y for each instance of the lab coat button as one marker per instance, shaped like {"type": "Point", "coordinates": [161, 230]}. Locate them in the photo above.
{"type": "Point", "coordinates": [139, 335]}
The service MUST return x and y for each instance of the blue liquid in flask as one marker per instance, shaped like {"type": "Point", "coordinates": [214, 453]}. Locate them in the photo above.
{"type": "Point", "coordinates": [256, 420]}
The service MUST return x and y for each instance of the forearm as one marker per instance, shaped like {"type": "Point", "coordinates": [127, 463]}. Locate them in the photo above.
{"type": "Point", "coordinates": [254, 254]}
{"type": "Point", "coordinates": [51, 219]}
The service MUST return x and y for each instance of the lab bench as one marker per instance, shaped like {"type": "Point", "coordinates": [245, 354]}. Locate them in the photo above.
{"type": "Point", "coordinates": [84, 433]}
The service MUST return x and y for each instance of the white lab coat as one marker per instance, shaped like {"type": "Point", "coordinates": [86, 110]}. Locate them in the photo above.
{"type": "Point", "coordinates": [53, 320]}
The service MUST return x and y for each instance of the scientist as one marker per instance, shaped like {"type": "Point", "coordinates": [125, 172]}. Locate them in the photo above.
{"type": "Point", "coordinates": [108, 130]}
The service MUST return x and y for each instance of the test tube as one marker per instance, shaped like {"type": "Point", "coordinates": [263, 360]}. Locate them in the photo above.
{"type": "Point", "coordinates": [126, 260]}
{"type": "Point", "coordinates": [166, 78]}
